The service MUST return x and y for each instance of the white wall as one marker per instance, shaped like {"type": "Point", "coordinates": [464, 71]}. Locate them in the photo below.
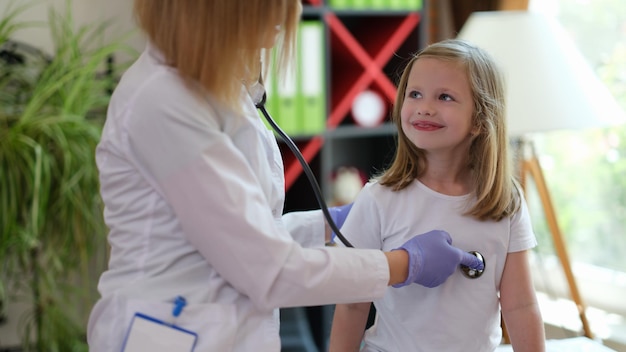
{"type": "Point", "coordinates": [85, 12]}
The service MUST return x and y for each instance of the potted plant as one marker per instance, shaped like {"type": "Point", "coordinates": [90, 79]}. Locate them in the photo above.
{"type": "Point", "coordinates": [52, 235]}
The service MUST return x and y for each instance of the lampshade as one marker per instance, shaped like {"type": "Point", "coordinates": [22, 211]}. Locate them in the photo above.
{"type": "Point", "coordinates": [549, 84]}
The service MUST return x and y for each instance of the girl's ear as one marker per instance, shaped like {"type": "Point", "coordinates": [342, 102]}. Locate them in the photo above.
{"type": "Point", "coordinates": [475, 131]}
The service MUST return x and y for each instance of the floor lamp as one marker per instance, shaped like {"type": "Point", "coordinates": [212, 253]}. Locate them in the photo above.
{"type": "Point", "coordinates": [529, 166]}
{"type": "Point", "coordinates": [549, 87]}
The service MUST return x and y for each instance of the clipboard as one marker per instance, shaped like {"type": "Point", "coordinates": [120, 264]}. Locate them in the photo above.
{"type": "Point", "coordinates": [147, 333]}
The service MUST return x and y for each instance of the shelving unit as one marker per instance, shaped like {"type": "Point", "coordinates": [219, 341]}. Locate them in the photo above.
{"type": "Point", "coordinates": [365, 49]}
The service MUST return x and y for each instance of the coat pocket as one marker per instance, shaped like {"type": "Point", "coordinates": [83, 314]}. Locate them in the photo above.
{"type": "Point", "coordinates": [215, 324]}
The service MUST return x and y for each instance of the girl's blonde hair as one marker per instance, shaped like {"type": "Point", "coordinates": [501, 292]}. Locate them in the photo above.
{"type": "Point", "coordinates": [493, 183]}
{"type": "Point", "coordinates": [218, 43]}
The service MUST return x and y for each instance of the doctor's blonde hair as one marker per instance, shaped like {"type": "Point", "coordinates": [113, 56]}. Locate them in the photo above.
{"type": "Point", "coordinates": [218, 43]}
{"type": "Point", "coordinates": [494, 186]}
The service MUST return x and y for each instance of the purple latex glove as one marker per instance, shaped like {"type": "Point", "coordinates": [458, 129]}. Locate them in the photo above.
{"type": "Point", "coordinates": [339, 215]}
{"type": "Point", "coordinates": [432, 259]}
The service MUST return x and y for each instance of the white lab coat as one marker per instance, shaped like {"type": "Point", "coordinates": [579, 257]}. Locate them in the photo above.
{"type": "Point", "coordinates": [194, 199]}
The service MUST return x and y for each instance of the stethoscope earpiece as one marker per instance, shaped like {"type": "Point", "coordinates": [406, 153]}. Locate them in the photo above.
{"type": "Point", "coordinates": [474, 273]}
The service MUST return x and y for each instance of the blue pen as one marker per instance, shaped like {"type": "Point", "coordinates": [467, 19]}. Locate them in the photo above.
{"type": "Point", "coordinates": [179, 303]}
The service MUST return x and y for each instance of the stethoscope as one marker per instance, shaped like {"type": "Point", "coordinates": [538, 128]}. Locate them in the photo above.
{"type": "Point", "coordinates": [259, 96]}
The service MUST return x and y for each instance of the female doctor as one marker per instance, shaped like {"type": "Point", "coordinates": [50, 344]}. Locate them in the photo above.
{"type": "Point", "coordinates": [193, 188]}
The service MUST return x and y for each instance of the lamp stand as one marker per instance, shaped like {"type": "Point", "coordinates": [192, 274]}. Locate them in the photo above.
{"type": "Point", "coordinates": [529, 165]}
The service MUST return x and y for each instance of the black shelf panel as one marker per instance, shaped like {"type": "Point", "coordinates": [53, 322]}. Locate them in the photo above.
{"type": "Point", "coordinates": [369, 12]}
{"type": "Point", "coordinates": [353, 131]}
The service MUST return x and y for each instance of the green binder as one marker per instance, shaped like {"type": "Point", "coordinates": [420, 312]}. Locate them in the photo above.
{"type": "Point", "coordinates": [379, 4]}
{"type": "Point", "coordinates": [360, 4]}
{"type": "Point", "coordinates": [413, 5]}
{"type": "Point", "coordinates": [340, 4]}
{"type": "Point", "coordinates": [287, 102]}
{"type": "Point", "coordinates": [312, 79]}
{"type": "Point", "coordinates": [397, 4]}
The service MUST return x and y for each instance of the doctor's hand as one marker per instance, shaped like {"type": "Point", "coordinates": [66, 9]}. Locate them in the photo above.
{"type": "Point", "coordinates": [432, 259]}
{"type": "Point", "coordinates": [339, 215]}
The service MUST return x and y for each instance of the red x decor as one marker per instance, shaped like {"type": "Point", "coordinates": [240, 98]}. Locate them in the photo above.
{"type": "Point", "coordinates": [361, 63]}
{"type": "Point", "coordinates": [373, 65]}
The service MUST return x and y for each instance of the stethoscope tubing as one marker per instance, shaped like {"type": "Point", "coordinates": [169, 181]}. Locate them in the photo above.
{"type": "Point", "coordinates": [307, 170]}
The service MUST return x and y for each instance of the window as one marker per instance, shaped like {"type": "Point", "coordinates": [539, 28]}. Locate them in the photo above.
{"type": "Point", "coordinates": [586, 170]}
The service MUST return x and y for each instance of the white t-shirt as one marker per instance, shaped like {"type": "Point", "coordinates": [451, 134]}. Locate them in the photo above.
{"type": "Point", "coordinates": [461, 314]}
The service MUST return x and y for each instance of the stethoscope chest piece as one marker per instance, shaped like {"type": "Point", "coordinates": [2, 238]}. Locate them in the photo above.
{"type": "Point", "coordinates": [474, 273]}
